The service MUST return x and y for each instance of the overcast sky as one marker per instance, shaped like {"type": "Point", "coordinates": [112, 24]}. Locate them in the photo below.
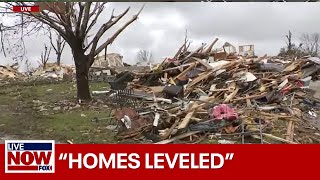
{"type": "Point", "coordinates": [161, 27]}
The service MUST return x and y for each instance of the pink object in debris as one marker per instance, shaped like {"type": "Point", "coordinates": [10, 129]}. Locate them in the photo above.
{"type": "Point", "coordinates": [223, 111]}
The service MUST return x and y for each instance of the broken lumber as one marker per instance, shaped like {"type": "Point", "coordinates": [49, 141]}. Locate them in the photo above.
{"type": "Point", "coordinates": [208, 50]}
{"type": "Point", "coordinates": [181, 136]}
{"type": "Point", "coordinates": [187, 118]}
{"type": "Point", "coordinates": [205, 64]}
{"type": "Point", "coordinates": [276, 116]}
{"type": "Point", "coordinates": [168, 133]}
{"type": "Point", "coordinates": [189, 55]}
{"type": "Point", "coordinates": [250, 97]}
{"type": "Point", "coordinates": [278, 139]}
{"type": "Point", "coordinates": [183, 73]}
{"type": "Point", "coordinates": [231, 96]}
{"type": "Point", "coordinates": [200, 78]}
{"type": "Point", "coordinates": [290, 131]}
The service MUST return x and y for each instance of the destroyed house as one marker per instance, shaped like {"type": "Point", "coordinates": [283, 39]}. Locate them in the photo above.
{"type": "Point", "coordinates": [246, 50]}
{"type": "Point", "coordinates": [110, 60]}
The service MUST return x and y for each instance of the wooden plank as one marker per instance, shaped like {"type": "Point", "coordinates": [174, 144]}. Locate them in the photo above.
{"type": "Point", "coordinates": [181, 136]}
{"type": "Point", "coordinates": [192, 53]}
{"type": "Point", "coordinates": [278, 139]}
{"type": "Point", "coordinates": [290, 128]}
{"type": "Point", "coordinates": [250, 97]}
{"type": "Point", "coordinates": [168, 133]}
{"type": "Point", "coordinates": [292, 132]}
{"type": "Point", "coordinates": [231, 96]}
{"type": "Point", "coordinates": [183, 73]}
{"type": "Point", "coordinates": [248, 102]}
{"type": "Point", "coordinates": [200, 78]}
{"type": "Point", "coordinates": [282, 117]}
{"type": "Point", "coordinates": [208, 50]}
{"type": "Point", "coordinates": [177, 67]}
{"type": "Point", "coordinates": [205, 64]}
{"type": "Point", "coordinates": [157, 89]}
{"type": "Point", "coordinates": [187, 118]}
{"type": "Point", "coordinates": [289, 135]}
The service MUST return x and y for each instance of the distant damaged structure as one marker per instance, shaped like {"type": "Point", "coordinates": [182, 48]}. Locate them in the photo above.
{"type": "Point", "coordinates": [246, 50]}
{"type": "Point", "coordinates": [103, 66]}
{"type": "Point", "coordinates": [110, 60]}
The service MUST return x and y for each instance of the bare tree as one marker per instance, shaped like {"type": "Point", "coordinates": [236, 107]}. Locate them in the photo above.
{"type": "Point", "coordinates": [45, 57]}
{"type": "Point", "coordinates": [310, 43]}
{"type": "Point", "coordinates": [29, 67]}
{"type": "Point", "coordinates": [291, 50]}
{"type": "Point", "coordinates": [58, 45]}
{"type": "Point", "coordinates": [289, 42]}
{"type": "Point", "coordinates": [144, 57]}
{"type": "Point", "coordinates": [74, 21]}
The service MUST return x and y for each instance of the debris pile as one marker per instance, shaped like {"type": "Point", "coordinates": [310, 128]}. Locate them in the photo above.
{"type": "Point", "coordinates": [223, 94]}
{"type": "Point", "coordinates": [53, 71]}
{"type": "Point", "coordinates": [9, 72]}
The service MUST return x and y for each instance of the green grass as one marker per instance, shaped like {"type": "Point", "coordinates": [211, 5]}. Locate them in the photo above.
{"type": "Point", "coordinates": [79, 129]}
{"type": "Point", "coordinates": [61, 127]}
{"type": "Point", "coordinates": [19, 118]}
{"type": "Point", "coordinates": [49, 92]}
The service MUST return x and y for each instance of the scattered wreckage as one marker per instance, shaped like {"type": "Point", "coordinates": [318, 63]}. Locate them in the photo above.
{"type": "Point", "coordinates": [206, 94]}
{"type": "Point", "coordinates": [218, 95]}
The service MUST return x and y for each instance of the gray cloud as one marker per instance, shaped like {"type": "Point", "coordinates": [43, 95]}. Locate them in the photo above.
{"type": "Point", "coordinates": [161, 27]}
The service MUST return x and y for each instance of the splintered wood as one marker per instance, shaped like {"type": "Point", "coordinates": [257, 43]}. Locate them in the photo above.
{"type": "Point", "coordinates": [189, 87]}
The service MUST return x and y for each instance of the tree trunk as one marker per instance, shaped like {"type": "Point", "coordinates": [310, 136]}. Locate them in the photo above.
{"type": "Point", "coordinates": [82, 69]}
{"type": "Point", "coordinates": [58, 59]}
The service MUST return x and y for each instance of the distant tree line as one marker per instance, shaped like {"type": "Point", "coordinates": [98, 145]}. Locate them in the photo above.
{"type": "Point", "coordinates": [309, 45]}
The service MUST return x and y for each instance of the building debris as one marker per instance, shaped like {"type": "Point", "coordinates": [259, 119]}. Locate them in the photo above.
{"type": "Point", "coordinates": [10, 72]}
{"type": "Point", "coordinates": [110, 60]}
{"type": "Point", "coordinates": [199, 92]}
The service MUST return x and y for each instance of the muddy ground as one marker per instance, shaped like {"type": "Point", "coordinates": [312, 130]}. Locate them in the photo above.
{"type": "Point", "coordinates": [49, 111]}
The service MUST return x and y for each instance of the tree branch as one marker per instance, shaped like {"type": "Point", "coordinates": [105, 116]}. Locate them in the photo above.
{"type": "Point", "coordinates": [67, 15]}
{"type": "Point", "coordinates": [51, 41]}
{"type": "Point", "coordinates": [94, 21]}
{"type": "Point", "coordinates": [96, 7]}
{"type": "Point", "coordinates": [115, 35]}
{"type": "Point", "coordinates": [45, 18]}
{"type": "Point", "coordinates": [104, 28]}
{"type": "Point", "coordinates": [63, 44]}
{"type": "Point", "coordinates": [81, 7]}
{"type": "Point", "coordinates": [62, 19]}
{"type": "Point", "coordinates": [85, 18]}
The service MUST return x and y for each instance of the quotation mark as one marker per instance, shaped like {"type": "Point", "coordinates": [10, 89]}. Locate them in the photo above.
{"type": "Point", "coordinates": [63, 156]}
{"type": "Point", "coordinates": [229, 156]}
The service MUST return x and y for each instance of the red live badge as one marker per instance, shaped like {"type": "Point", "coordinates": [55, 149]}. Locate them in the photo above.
{"type": "Point", "coordinates": [25, 9]}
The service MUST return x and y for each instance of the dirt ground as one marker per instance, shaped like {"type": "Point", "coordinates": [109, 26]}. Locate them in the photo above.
{"type": "Point", "coordinates": [49, 111]}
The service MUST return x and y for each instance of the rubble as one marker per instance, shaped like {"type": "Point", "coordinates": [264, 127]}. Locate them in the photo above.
{"type": "Point", "coordinates": [10, 72]}
{"type": "Point", "coordinates": [203, 91]}
{"type": "Point", "coordinates": [53, 71]}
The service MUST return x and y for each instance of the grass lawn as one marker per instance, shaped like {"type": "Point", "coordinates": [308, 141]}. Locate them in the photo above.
{"type": "Point", "coordinates": [21, 117]}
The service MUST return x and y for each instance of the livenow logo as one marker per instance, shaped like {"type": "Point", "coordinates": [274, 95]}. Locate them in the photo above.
{"type": "Point", "coordinates": [29, 156]}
